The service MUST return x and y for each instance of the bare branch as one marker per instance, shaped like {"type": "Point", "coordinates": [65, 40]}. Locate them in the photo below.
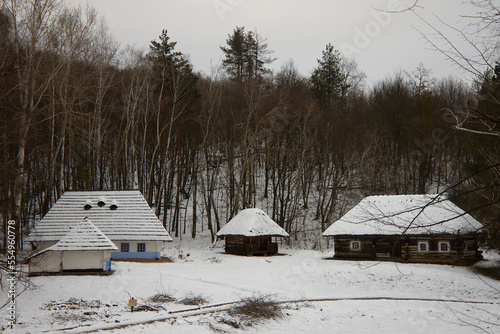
{"type": "Point", "coordinates": [407, 9]}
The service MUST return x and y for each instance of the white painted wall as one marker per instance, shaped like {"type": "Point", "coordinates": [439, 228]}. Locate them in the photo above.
{"type": "Point", "coordinates": [151, 246]}
{"type": "Point", "coordinates": [51, 261]}
{"type": "Point", "coordinates": [48, 262]}
{"type": "Point", "coordinates": [78, 260]}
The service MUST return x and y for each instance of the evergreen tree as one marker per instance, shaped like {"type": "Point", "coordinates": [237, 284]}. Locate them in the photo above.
{"type": "Point", "coordinates": [257, 55]}
{"type": "Point", "coordinates": [246, 55]}
{"type": "Point", "coordinates": [176, 95]}
{"type": "Point", "coordinates": [326, 80]}
{"type": "Point", "coordinates": [171, 69]}
{"type": "Point", "coordinates": [165, 58]}
{"type": "Point", "coordinates": [236, 54]}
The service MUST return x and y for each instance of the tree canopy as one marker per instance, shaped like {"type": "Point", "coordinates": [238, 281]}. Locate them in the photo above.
{"type": "Point", "coordinates": [326, 79]}
{"type": "Point", "coordinates": [246, 55]}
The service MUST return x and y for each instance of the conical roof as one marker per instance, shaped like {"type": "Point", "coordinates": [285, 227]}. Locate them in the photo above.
{"type": "Point", "coordinates": [252, 223]}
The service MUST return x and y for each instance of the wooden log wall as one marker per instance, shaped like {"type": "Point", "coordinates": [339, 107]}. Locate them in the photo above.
{"type": "Point", "coordinates": [407, 247]}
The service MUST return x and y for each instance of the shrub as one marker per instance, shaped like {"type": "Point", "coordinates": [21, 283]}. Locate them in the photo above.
{"type": "Point", "coordinates": [161, 298]}
{"type": "Point", "coordinates": [257, 308]}
{"type": "Point", "coordinates": [193, 299]}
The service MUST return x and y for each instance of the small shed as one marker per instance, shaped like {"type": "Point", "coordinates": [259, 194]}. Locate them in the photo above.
{"type": "Point", "coordinates": [251, 232]}
{"type": "Point", "coordinates": [84, 248]}
{"type": "Point", "coordinates": [418, 228]}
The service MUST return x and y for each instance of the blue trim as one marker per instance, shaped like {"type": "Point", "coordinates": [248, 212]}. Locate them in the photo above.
{"type": "Point", "coordinates": [108, 265]}
{"type": "Point", "coordinates": [136, 255]}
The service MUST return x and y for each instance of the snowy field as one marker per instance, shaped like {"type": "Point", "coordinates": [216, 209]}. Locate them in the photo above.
{"type": "Point", "coordinates": [407, 298]}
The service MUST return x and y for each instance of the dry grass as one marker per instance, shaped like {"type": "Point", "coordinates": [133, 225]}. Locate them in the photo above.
{"type": "Point", "coordinates": [161, 298]}
{"type": "Point", "coordinates": [257, 308]}
{"type": "Point", "coordinates": [71, 304]}
{"type": "Point", "coordinates": [194, 299]}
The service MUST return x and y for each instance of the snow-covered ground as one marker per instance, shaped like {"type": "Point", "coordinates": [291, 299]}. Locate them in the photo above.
{"type": "Point", "coordinates": [296, 275]}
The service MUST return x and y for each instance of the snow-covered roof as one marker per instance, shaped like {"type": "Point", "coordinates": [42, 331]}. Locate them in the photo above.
{"type": "Point", "coordinates": [120, 215]}
{"type": "Point", "coordinates": [84, 237]}
{"type": "Point", "coordinates": [252, 223]}
{"type": "Point", "coordinates": [408, 214]}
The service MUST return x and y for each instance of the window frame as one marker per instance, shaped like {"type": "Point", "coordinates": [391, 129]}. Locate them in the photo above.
{"type": "Point", "coordinates": [143, 245]}
{"type": "Point", "coordinates": [125, 244]}
{"type": "Point", "coordinates": [448, 246]}
{"type": "Point", "coordinates": [423, 242]}
{"type": "Point", "coordinates": [355, 249]}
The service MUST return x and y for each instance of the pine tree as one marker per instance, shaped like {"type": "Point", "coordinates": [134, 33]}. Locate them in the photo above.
{"type": "Point", "coordinates": [171, 68]}
{"type": "Point", "coordinates": [176, 95]}
{"type": "Point", "coordinates": [257, 55]}
{"type": "Point", "coordinates": [165, 58]}
{"type": "Point", "coordinates": [236, 54]}
{"type": "Point", "coordinates": [326, 80]}
{"type": "Point", "coordinates": [246, 55]}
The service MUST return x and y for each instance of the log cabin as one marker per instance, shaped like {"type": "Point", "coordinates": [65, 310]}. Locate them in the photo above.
{"type": "Point", "coordinates": [123, 216]}
{"type": "Point", "coordinates": [413, 228]}
{"type": "Point", "coordinates": [251, 232]}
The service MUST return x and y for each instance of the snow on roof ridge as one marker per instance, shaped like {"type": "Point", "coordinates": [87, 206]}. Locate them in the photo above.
{"type": "Point", "coordinates": [407, 195]}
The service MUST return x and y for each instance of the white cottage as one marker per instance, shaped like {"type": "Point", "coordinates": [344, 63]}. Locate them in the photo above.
{"type": "Point", "coordinates": [84, 247]}
{"type": "Point", "coordinates": [250, 232]}
{"type": "Point", "coordinates": [123, 216]}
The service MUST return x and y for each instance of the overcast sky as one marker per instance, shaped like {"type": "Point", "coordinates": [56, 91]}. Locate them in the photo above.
{"type": "Point", "coordinates": [381, 43]}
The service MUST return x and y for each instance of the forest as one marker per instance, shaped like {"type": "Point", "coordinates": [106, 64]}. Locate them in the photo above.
{"type": "Point", "coordinates": [80, 113]}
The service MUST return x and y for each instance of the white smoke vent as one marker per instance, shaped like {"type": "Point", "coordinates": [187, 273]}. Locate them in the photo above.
{"type": "Point", "coordinates": [88, 205]}
{"type": "Point", "coordinates": [113, 205]}
{"type": "Point", "coordinates": [101, 202]}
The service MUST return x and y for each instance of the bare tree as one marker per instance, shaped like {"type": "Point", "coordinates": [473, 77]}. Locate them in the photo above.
{"type": "Point", "coordinates": [32, 24]}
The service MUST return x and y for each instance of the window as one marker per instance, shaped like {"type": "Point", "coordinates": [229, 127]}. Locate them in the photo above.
{"type": "Point", "coordinates": [141, 247]}
{"type": "Point", "coordinates": [423, 246]}
{"type": "Point", "coordinates": [355, 245]}
{"type": "Point", "coordinates": [444, 246]}
{"type": "Point", "coordinates": [125, 247]}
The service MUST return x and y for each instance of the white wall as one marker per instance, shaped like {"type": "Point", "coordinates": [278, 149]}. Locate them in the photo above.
{"type": "Point", "coordinates": [83, 260]}
{"type": "Point", "coordinates": [151, 246]}
{"type": "Point", "coordinates": [48, 262]}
